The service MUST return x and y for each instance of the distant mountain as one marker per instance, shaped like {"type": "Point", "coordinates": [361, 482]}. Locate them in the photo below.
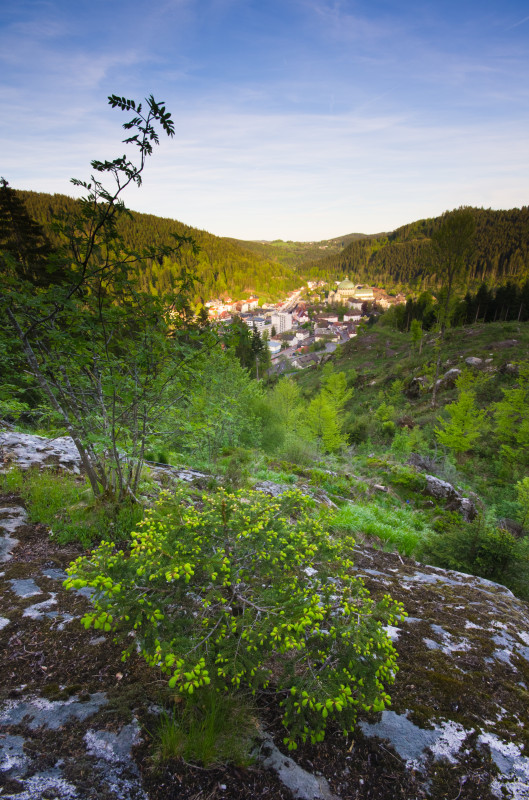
{"type": "Point", "coordinates": [296, 254]}
{"type": "Point", "coordinates": [224, 266]}
{"type": "Point", "coordinates": [400, 259]}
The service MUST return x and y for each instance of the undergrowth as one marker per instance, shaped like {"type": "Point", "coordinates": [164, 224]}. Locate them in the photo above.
{"type": "Point", "coordinates": [213, 730]}
{"type": "Point", "coordinates": [400, 528]}
{"type": "Point", "coordinates": [65, 504]}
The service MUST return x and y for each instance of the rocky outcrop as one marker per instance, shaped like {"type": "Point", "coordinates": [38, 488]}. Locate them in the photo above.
{"type": "Point", "coordinates": [461, 699]}
{"type": "Point", "coordinates": [473, 361]}
{"type": "Point", "coordinates": [70, 710]}
{"type": "Point", "coordinates": [442, 490]}
{"type": "Point", "coordinates": [28, 450]}
{"type": "Point", "coordinates": [417, 387]}
{"type": "Point", "coordinates": [448, 380]}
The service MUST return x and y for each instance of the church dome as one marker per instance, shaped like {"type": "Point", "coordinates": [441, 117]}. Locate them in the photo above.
{"type": "Point", "coordinates": [346, 285]}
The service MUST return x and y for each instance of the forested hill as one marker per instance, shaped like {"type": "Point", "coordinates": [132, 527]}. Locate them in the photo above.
{"type": "Point", "coordinates": [296, 254]}
{"type": "Point", "coordinates": [400, 259]}
{"type": "Point", "coordinates": [223, 266]}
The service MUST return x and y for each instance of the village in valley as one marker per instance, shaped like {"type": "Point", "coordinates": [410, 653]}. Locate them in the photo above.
{"type": "Point", "coordinates": [310, 323]}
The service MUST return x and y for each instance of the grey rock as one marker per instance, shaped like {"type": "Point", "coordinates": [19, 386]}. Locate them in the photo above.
{"type": "Point", "coordinates": [442, 490]}
{"type": "Point", "coordinates": [448, 380]}
{"type": "Point", "coordinates": [113, 747]}
{"type": "Point", "coordinates": [473, 361]}
{"type": "Point", "coordinates": [11, 518]}
{"type": "Point", "coordinates": [271, 488]}
{"type": "Point", "coordinates": [13, 760]}
{"type": "Point", "coordinates": [301, 783]}
{"type": "Point", "coordinates": [42, 610]}
{"type": "Point", "coordinates": [509, 369]}
{"type": "Point", "coordinates": [417, 387]}
{"type": "Point", "coordinates": [48, 713]}
{"type": "Point", "coordinates": [25, 587]}
{"type": "Point", "coordinates": [408, 739]}
{"type": "Point", "coordinates": [29, 451]}
{"type": "Point", "coordinates": [422, 463]}
{"type": "Point", "coordinates": [47, 784]}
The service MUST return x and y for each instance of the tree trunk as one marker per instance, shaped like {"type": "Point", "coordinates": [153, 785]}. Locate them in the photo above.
{"type": "Point", "coordinates": [46, 388]}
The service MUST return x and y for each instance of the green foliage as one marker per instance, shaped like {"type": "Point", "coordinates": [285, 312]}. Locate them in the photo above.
{"type": "Point", "coordinates": [522, 491]}
{"type": "Point", "coordinates": [335, 391]}
{"type": "Point", "coordinates": [224, 267]}
{"type": "Point", "coordinates": [221, 407]}
{"type": "Point", "coordinates": [63, 503]}
{"type": "Point", "coordinates": [110, 358]}
{"type": "Point", "coordinates": [213, 730]}
{"type": "Point", "coordinates": [406, 478]}
{"type": "Point", "coordinates": [385, 413]}
{"type": "Point", "coordinates": [480, 548]}
{"type": "Point", "coordinates": [356, 428]}
{"type": "Point", "coordinates": [399, 260]}
{"type": "Point", "coordinates": [465, 426]}
{"type": "Point", "coordinates": [401, 528]}
{"type": "Point", "coordinates": [512, 419]}
{"type": "Point", "coordinates": [245, 591]}
{"type": "Point", "coordinates": [323, 424]}
{"type": "Point", "coordinates": [388, 429]}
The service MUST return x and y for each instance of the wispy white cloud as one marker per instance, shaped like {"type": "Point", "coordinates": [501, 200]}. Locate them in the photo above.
{"type": "Point", "coordinates": [299, 118]}
{"type": "Point", "coordinates": [517, 24]}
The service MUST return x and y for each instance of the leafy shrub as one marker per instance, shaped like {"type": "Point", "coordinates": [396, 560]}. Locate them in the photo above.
{"type": "Point", "coordinates": [251, 592]}
{"type": "Point", "coordinates": [237, 467]}
{"type": "Point", "coordinates": [357, 428]}
{"type": "Point", "coordinates": [388, 429]}
{"type": "Point", "coordinates": [479, 548]}
{"type": "Point", "coordinates": [407, 479]}
{"type": "Point", "coordinates": [298, 451]}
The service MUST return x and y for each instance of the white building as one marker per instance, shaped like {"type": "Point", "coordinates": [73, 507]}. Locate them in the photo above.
{"type": "Point", "coordinates": [282, 322]}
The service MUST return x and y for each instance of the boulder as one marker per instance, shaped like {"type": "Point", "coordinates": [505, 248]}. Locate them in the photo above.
{"type": "Point", "coordinates": [29, 450]}
{"type": "Point", "coordinates": [416, 387]}
{"type": "Point", "coordinates": [509, 369]}
{"type": "Point", "coordinates": [448, 380]}
{"type": "Point", "coordinates": [423, 463]}
{"type": "Point", "coordinates": [442, 490]}
{"type": "Point", "coordinates": [460, 700]}
{"type": "Point", "coordinates": [472, 361]}
{"type": "Point", "coordinates": [512, 527]}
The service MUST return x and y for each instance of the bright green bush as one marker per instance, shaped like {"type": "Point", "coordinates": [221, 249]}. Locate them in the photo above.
{"type": "Point", "coordinates": [248, 592]}
{"type": "Point", "coordinates": [480, 548]}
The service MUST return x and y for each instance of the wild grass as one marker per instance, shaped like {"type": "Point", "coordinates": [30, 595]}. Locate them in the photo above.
{"type": "Point", "coordinates": [218, 729]}
{"type": "Point", "coordinates": [400, 528]}
{"type": "Point", "coordinates": [65, 504]}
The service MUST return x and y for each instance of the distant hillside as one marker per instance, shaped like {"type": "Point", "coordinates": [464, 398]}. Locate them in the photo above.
{"type": "Point", "coordinates": [400, 259]}
{"type": "Point", "coordinates": [295, 254]}
{"type": "Point", "coordinates": [224, 266]}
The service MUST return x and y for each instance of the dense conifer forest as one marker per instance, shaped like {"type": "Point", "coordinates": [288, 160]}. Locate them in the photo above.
{"type": "Point", "coordinates": [401, 259]}
{"type": "Point", "coordinates": [223, 267]}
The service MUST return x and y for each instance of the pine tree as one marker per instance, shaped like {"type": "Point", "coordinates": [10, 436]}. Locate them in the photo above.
{"type": "Point", "coordinates": [465, 426]}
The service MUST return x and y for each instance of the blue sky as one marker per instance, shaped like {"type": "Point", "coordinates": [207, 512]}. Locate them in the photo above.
{"type": "Point", "coordinates": [295, 119]}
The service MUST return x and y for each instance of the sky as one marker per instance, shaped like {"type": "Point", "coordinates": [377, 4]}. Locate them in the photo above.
{"type": "Point", "coordinates": [294, 119]}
